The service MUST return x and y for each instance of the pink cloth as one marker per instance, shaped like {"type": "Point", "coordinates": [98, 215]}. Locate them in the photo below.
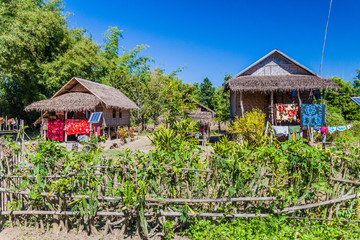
{"type": "Point", "coordinates": [96, 128]}
{"type": "Point", "coordinates": [55, 130]}
{"type": "Point", "coordinates": [324, 129]}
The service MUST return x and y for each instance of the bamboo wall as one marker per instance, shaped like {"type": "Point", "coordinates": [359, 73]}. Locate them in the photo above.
{"type": "Point", "coordinates": [261, 100]}
{"type": "Point", "coordinates": [110, 121]}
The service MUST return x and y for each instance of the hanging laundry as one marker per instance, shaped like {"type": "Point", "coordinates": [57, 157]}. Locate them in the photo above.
{"type": "Point", "coordinates": [96, 127]}
{"type": "Point", "coordinates": [349, 126]}
{"type": "Point", "coordinates": [317, 128]}
{"type": "Point", "coordinates": [55, 130]}
{"type": "Point", "coordinates": [294, 132]}
{"type": "Point", "coordinates": [280, 131]}
{"type": "Point", "coordinates": [324, 129]}
{"type": "Point", "coordinates": [77, 126]}
{"type": "Point", "coordinates": [341, 128]}
{"type": "Point", "coordinates": [313, 115]}
{"type": "Point", "coordinates": [332, 129]}
{"type": "Point", "coordinates": [287, 112]}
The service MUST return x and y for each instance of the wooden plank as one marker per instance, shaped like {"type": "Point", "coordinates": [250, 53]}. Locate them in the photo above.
{"type": "Point", "coordinates": [345, 181]}
{"type": "Point", "coordinates": [308, 206]}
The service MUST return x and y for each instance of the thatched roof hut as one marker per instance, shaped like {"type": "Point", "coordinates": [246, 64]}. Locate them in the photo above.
{"type": "Point", "coordinates": [77, 99]}
{"type": "Point", "coordinates": [277, 72]}
{"type": "Point", "coordinates": [273, 79]}
{"type": "Point", "coordinates": [80, 94]}
{"type": "Point", "coordinates": [202, 114]}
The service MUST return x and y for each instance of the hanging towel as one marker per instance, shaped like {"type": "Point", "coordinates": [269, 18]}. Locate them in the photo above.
{"type": "Point", "coordinates": [341, 128]}
{"type": "Point", "coordinates": [324, 129]}
{"type": "Point", "coordinates": [286, 112]}
{"type": "Point", "coordinates": [280, 131]}
{"type": "Point", "coordinates": [294, 132]}
{"type": "Point", "coordinates": [313, 115]}
{"type": "Point", "coordinates": [332, 129]}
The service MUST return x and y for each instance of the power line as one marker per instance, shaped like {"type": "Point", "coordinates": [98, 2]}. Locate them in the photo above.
{"type": "Point", "coordinates": [327, 24]}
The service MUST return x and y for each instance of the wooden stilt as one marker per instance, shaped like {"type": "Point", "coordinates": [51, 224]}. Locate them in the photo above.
{"type": "Point", "coordinates": [66, 136]}
{"type": "Point", "coordinates": [109, 131]}
{"type": "Point", "coordinates": [325, 134]}
{"type": "Point", "coordinates": [272, 107]}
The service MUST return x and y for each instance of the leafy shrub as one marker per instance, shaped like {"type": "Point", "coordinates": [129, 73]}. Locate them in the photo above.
{"type": "Point", "coordinates": [123, 134]}
{"type": "Point", "coordinates": [272, 228]}
{"type": "Point", "coordinates": [250, 129]}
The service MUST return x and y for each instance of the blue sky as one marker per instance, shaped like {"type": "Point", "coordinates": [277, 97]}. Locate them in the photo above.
{"type": "Point", "coordinates": [214, 38]}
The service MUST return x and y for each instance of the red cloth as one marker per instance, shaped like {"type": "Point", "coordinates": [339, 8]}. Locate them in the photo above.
{"type": "Point", "coordinates": [55, 130]}
{"type": "Point", "coordinates": [324, 129]}
{"type": "Point", "coordinates": [77, 126]}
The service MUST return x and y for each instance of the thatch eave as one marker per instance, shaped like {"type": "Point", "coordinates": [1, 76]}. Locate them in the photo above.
{"type": "Point", "coordinates": [279, 83]}
{"type": "Point", "coordinates": [70, 102]}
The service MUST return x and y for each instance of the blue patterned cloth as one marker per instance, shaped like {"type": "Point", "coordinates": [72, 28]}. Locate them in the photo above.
{"type": "Point", "coordinates": [341, 128]}
{"type": "Point", "coordinates": [313, 115]}
{"type": "Point", "coordinates": [332, 129]}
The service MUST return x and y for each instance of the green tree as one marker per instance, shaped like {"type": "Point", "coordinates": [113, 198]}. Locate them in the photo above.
{"type": "Point", "coordinates": [38, 53]}
{"type": "Point", "coordinates": [206, 94]}
{"type": "Point", "coordinates": [221, 103]}
{"type": "Point", "coordinates": [340, 99]}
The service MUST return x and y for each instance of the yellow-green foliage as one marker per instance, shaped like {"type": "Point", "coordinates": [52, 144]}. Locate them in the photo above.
{"type": "Point", "coordinates": [249, 129]}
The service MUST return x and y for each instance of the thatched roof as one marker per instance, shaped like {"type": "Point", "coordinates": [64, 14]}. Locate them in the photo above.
{"type": "Point", "coordinates": [277, 72]}
{"type": "Point", "coordinates": [68, 99]}
{"type": "Point", "coordinates": [75, 101]}
{"type": "Point", "coordinates": [278, 83]}
{"type": "Point", "coordinates": [202, 113]}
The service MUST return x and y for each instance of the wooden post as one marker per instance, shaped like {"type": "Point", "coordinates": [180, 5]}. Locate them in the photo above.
{"type": "Point", "coordinates": [109, 131]}
{"type": "Point", "coordinates": [22, 129]}
{"type": "Point", "coordinates": [241, 104]}
{"type": "Point", "coordinates": [299, 98]}
{"type": "Point", "coordinates": [300, 103]}
{"type": "Point", "coordinates": [272, 107]}
{"type": "Point", "coordinates": [233, 106]}
{"type": "Point", "coordinates": [271, 112]}
{"type": "Point", "coordinates": [90, 128]}
{"type": "Point", "coordinates": [325, 134]}
{"type": "Point", "coordinates": [66, 136]}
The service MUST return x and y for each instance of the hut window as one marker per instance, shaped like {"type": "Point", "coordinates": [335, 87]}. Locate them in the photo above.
{"type": "Point", "coordinates": [114, 113]}
{"type": "Point", "coordinates": [120, 114]}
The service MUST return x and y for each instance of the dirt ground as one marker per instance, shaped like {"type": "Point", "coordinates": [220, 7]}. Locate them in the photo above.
{"type": "Point", "coordinates": [26, 233]}
{"type": "Point", "coordinates": [141, 143]}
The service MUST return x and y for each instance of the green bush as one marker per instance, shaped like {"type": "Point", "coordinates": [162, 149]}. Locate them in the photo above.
{"type": "Point", "coordinates": [272, 228]}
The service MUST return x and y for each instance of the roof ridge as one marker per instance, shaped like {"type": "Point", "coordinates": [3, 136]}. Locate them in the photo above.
{"type": "Point", "coordinates": [268, 55]}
